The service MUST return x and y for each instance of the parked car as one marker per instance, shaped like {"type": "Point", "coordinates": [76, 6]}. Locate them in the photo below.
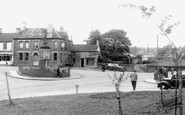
{"type": "Point", "coordinates": [115, 67]}
{"type": "Point", "coordinates": [170, 83]}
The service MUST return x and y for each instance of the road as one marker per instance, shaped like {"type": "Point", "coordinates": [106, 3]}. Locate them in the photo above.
{"type": "Point", "coordinates": [91, 81]}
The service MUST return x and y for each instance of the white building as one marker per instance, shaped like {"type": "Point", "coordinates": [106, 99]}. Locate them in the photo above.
{"type": "Point", "coordinates": [6, 51]}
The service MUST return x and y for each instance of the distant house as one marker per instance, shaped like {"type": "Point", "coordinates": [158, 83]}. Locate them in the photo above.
{"type": "Point", "coordinates": [6, 44]}
{"type": "Point", "coordinates": [34, 45]}
{"type": "Point", "coordinates": [148, 56]}
{"type": "Point", "coordinates": [84, 55]}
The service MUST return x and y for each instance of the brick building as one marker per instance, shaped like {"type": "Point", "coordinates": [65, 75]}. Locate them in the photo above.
{"type": "Point", "coordinates": [31, 45]}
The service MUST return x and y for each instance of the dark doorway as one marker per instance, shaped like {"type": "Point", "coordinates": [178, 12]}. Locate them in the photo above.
{"type": "Point", "coordinates": [82, 62]}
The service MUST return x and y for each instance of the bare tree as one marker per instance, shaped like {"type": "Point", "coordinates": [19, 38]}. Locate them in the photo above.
{"type": "Point", "coordinates": [117, 79]}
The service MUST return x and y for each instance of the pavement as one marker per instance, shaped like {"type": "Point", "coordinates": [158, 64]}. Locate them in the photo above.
{"type": "Point", "coordinates": [88, 80]}
{"type": "Point", "coordinates": [18, 75]}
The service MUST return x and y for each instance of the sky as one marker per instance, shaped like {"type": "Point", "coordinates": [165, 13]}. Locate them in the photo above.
{"type": "Point", "coordinates": [80, 17]}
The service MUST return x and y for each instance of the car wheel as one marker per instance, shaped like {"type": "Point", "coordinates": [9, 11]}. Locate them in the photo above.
{"type": "Point", "coordinates": [164, 86]}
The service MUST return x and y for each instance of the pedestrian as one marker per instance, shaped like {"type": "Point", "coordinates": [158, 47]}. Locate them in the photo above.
{"type": "Point", "coordinates": [156, 74]}
{"type": "Point", "coordinates": [134, 78]}
{"type": "Point", "coordinates": [172, 71]}
{"type": "Point", "coordinates": [103, 67]}
{"type": "Point", "coordinates": [58, 72]}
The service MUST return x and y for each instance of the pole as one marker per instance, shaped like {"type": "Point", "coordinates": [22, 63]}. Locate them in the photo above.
{"type": "Point", "coordinates": [157, 48]}
{"type": "Point", "coordinates": [180, 92]}
{"type": "Point", "coordinates": [8, 89]}
{"type": "Point", "coordinates": [176, 64]}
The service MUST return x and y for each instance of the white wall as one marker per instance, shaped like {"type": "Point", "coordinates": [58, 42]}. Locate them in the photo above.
{"type": "Point", "coordinates": [9, 46]}
{"type": "Point", "coordinates": [1, 46]}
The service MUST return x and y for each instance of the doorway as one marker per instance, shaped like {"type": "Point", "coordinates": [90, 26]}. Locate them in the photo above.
{"type": "Point", "coordinates": [36, 59]}
{"type": "Point", "coordinates": [82, 62]}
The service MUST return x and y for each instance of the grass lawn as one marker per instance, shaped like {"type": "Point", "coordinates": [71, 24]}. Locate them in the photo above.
{"type": "Point", "coordinates": [133, 103]}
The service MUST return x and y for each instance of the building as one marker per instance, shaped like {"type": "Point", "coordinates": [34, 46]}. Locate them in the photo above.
{"type": "Point", "coordinates": [84, 55]}
{"type": "Point", "coordinates": [44, 47]}
{"type": "Point", "coordinates": [6, 47]}
{"type": "Point", "coordinates": [41, 47]}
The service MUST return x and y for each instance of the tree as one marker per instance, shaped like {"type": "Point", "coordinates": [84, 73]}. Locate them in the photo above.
{"type": "Point", "coordinates": [165, 29]}
{"type": "Point", "coordinates": [116, 81]}
{"type": "Point", "coordinates": [93, 37]}
{"type": "Point", "coordinates": [114, 44]}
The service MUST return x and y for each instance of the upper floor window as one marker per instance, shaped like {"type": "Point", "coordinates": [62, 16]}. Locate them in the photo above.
{"type": "Point", "coordinates": [5, 46]}
{"type": "Point", "coordinates": [62, 44]}
{"type": "Point", "coordinates": [55, 44]}
{"type": "Point", "coordinates": [36, 44]}
{"type": "Point", "coordinates": [27, 44]}
{"type": "Point", "coordinates": [21, 44]}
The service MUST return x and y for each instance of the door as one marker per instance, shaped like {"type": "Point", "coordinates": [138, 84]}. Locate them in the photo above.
{"type": "Point", "coordinates": [35, 59]}
{"type": "Point", "coordinates": [82, 62]}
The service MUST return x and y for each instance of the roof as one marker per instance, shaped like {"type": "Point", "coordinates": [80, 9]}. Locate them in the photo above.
{"type": "Point", "coordinates": [84, 48]}
{"type": "Point", "coordinates": [37, 33]}
{"type": "Point", "coordinates": [6, 37]}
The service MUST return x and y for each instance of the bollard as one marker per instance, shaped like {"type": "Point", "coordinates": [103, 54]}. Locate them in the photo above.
{"type": "Point", "coordinates": [76, 86]}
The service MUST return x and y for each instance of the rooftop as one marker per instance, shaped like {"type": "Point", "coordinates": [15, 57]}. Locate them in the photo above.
{"type": "Point", "coordinates": [40, 33]}
{"type": "Point", "coordinates": [6, 37]}
{"type": "Point", "coordinates": [84, 48]}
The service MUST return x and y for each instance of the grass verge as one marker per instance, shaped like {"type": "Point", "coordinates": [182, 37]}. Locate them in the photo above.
{"type": "Point", "coordinates": [133, 103]}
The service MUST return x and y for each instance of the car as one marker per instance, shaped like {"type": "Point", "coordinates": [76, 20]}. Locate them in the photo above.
{"type": "Point", "coordinates": [170, 83]}
{"type": "Point", "coordinates": [115, 67]}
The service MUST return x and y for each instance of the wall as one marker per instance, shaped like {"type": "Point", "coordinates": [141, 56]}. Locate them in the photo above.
{"type": "Point", "coordinates": [85, 55]}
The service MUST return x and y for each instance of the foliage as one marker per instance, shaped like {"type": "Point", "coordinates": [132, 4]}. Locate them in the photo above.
{"type": "Point", "coordinates": [116, 81]}
{"type": "Point", "coordinates": [93, 37]}
{"type": "Point", "coordinates": [113, 44]}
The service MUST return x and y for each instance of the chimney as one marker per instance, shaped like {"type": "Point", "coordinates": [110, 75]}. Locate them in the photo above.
{"type": "Point", "coordinates": [49, 31]}
{"type": "Point", "coordinates": [17, 30]}
{"type": "Point", "coordinates": [24, 26]}
{"type": "Point", "coordinates": [61, 29]}
{"type": "Point", "coordinates": [1, 30]}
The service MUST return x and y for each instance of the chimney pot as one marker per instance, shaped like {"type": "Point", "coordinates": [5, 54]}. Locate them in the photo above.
{"type": "Point", "coordinates": [18, 30]}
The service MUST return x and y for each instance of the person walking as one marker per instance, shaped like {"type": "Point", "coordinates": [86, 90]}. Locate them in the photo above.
{"type": "Point", "coordinates": [134, 78]}
{"type": "Point", "coordinates": [156, 75]}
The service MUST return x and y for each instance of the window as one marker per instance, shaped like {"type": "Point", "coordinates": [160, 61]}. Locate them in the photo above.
{"type": "Point", "coordinates": [90, 62]}
{"type": "Point", "coordinates": [21, 44]}
{"type": "Point", "coordinates": [62, 44]}
{"type": "Point", "coordinates": [55, 44]}
{"type": "Point", "coordinates": [5, 46]}
{"type": "Point", "coordinates": [27, 44]}
{"type": "Point", "coordinates": [61, 58]}
{"type": "Point", "coordinates": [46, 54]}
{"type": "Point", "coordinates": [26, 56]}
{"type": "Point", "coordinates": [54, 56]}
{"type": "Point", "coordinates": [20, 56]}
{"type": "Point", "coordinates": [36, 44]}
